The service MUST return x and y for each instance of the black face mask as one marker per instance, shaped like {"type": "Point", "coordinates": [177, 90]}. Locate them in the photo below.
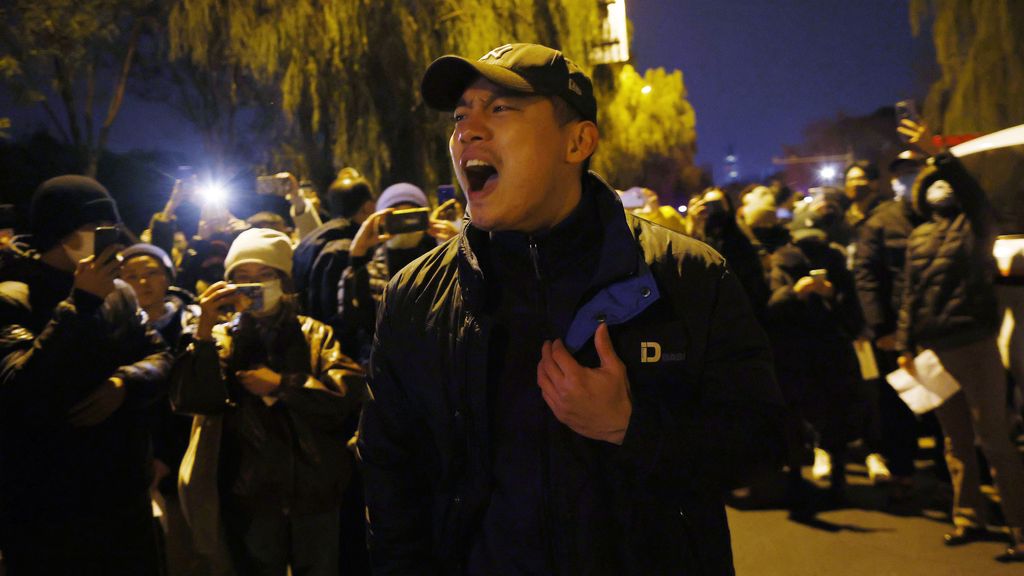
{"type": "Point", "coordinates": [772, 237]}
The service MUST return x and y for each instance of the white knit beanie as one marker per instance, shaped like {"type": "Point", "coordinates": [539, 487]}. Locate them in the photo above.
{"type": "Point", "coordinates": [260, 246]}
{"type": "Point", "coordinates": [399, 193]}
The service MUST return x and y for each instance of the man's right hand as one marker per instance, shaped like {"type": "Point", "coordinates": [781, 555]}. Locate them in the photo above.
{"type": "Point", "coordinates": [369, 236]}
{"type": "Point", "coordinates": [96, 275]}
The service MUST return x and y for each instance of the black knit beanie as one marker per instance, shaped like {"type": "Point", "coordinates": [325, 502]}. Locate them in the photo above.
{"type": "Point", "coordinates": [63, 204]}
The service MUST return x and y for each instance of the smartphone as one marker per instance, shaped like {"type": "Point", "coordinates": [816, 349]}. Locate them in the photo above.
{"type": "Point", "coordinates": [274, 185]}
{"type": "Point", "coordinates": [252, 291]}
{"type": "Point", "coordinates": [633, 198]}
{"type": "Point", "coordinates": [405, 221]}
{"type": "Point", "coordinates": [819, 275]}
{"type": "Point", "coordinates": [445, 192]}
{"type": "Point", "coordinates": [106, 236]}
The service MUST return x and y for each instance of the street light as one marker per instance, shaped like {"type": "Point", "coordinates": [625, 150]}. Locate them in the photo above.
{"type": "Point", "coordinates": [827, 174]}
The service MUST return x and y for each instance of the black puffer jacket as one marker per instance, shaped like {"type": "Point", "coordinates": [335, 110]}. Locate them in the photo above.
{"type": "Point", "coordinates": [318, 263]}
{"type": "Point", "coordinates": [56, 347]}
{"type": "Point", "coordinates": [948, 296]}
{"type": "Point", "coordinates": [706, 409]}
{"type": "Point", "coordinates": [878, 262]}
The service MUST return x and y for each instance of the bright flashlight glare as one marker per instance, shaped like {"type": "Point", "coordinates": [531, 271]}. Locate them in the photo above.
{"type": "Point", "coordinates": [827, 173]}
{"type": "Point", "coordinates": [682, 209]}
{"type": "Point", "coordinates": [213, 193]}
{"type": "Point", "coordinates": [646, 89]}
{"type": "Point", "coordinates": [808, 200]}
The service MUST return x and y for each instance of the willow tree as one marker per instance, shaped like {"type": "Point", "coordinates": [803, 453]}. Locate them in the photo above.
{"type": "Point", "coordinates": [55, 53]}
{"type": "Point", "coordinates": [648, 133]}
{"type": "Point", "coordinates": [978, 46]}
{"type": "Point", "coordinates": [347, 72]}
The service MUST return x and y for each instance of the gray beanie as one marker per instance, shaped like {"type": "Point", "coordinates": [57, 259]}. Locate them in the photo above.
{"type": "Point", "coordinates": [399, 193]}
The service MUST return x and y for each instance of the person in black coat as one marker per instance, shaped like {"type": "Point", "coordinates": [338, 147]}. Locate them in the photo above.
{"type": "Point", "coordinates": [712, 220]}
{"type": "Point", "coordinates": [79, 373]}
{"type": "Point", "coordinates": [812, 318]}
{"type": "Point", "coordinates": [949, 306]}
{"type": "Point", "coordinates": [322, 256]}
{"type": "Point", "coordinates": [878, 263]}
{"type": "Point", "coordinates": [563, 388]}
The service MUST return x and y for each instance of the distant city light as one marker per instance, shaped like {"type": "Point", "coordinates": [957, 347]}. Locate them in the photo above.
{"type": "Point", "coordinates": [646, 89]}
{"type": "Point", "coordinates": [828, 173]}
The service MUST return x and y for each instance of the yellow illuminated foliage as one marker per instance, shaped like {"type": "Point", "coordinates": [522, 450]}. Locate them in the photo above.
{"type": "Point", "coordinates": [347, 71]}
{"type": "Point", "coordinates": [979, 46]}
{"type": "Point", "coordinates": [648, 131]}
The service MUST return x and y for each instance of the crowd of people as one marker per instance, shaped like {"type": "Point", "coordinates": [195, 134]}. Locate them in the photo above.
{"type": "Point", "coordinates": [852, 284]}
{"type": "Point", "coordinates": [524, 379]}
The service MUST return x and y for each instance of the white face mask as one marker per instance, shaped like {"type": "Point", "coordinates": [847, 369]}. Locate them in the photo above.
{"type": "Point", "coordinates": [901, 186]}
{"type": "Point", "coordinates": [940, 195]}
{"type": "Point", "coordinates": [272, 294]}
{"type": "Point", "coordinates": [85, 242]}
{"type": "Point", "coordinates": [403, 241]}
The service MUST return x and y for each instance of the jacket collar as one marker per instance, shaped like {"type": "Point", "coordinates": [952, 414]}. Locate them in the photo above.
{"type": "Point", "coordinates": [623, 284]}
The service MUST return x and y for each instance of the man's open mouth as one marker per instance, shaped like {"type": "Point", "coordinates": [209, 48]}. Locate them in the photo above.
{"type": "Point", "coordinates": [478, 173]}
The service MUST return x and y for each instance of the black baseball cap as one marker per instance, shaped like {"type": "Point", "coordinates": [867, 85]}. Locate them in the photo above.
{"type": "Point", "coordinates": [526, 68]}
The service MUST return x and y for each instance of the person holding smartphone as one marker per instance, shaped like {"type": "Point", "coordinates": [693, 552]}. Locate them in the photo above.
{"type": "Point", "coordinates": [80, 373]}
{"type": "Point", "coordinates": [949, 306]}
{"type": "Point", "coordinates": [812, 318]}
{"type": "Point", "coordinates": [271, 391]}
{"type": "Point", "coordinates": [384, 245]}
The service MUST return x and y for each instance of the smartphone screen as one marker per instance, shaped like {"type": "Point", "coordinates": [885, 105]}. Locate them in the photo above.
{"type": "Point", "coordinates": [403, 221]}
{"type": "Point", "coordinates": [445, 192]}
{"type": "Point", "coordinates": [105, 236]}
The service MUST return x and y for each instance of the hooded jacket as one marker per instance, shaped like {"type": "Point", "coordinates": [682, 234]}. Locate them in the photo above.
{"type": "Point", "coordinates": [948, 295]}
{"type": "Point", "coordinates": [706, 409]}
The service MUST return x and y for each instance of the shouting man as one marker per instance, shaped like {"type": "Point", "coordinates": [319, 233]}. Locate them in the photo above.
{"type": "Point", "coordinates": [563, 388]}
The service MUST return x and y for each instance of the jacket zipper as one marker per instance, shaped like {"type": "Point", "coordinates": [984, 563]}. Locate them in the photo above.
{"type": "Point", "coordinates": [545, 458]}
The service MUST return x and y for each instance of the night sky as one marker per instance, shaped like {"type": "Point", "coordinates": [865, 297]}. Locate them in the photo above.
{"type": "Point", "coordinates": [757, 72]}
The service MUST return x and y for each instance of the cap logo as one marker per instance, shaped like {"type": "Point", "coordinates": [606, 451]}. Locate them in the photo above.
{"type": "Point", "coordinates": [498, 52]}
{"type": "Point", "coordinates": [575, 87]}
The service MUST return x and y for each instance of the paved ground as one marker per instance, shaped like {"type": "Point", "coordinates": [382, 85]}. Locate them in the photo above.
{"type": "Point", "coordinates": [867, 536]}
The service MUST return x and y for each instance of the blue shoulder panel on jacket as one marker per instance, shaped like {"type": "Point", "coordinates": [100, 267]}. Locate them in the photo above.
{"type": "Point", "coordinates": [616, 303]}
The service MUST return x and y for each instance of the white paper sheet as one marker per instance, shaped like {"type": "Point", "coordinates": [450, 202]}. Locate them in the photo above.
{"type": "Point", "coordinates": [927, 387]}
